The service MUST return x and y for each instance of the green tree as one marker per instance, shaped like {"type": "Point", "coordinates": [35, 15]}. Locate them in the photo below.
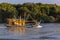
{"type": "Point", "coordinates": [7, 11]}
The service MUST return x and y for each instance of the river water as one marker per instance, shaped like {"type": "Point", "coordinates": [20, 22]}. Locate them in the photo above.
{"type": "Point", "coordinates": [49, 31]}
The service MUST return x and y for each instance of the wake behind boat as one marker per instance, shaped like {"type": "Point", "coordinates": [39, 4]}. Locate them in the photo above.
{"type": "Point", "coordinates": [38, 26]}
{"type": "Point", "coordinates": [3, 25]}
{"type": "Point", "coordinates": [32, 25]}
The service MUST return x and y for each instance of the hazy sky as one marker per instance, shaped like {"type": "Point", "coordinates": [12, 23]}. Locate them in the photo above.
{"type": "Point", "coordinates": [35, 1]}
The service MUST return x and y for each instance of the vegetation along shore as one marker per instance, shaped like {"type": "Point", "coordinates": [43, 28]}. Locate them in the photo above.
{"type": "Point", "coordinates": [47, 13]}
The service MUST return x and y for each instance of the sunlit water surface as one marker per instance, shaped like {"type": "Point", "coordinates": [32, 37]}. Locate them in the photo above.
{"type": "Point", "coordinates": [49, 31]}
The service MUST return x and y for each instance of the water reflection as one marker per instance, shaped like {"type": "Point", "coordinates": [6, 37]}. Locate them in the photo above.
{"type": "Point", "coordinates": [47, 32]}
{"type": "Point", "coordinates": [18, 29]}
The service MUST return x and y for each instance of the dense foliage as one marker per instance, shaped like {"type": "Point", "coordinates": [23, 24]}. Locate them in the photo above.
{"type": "Point", "coordinates": [45, 12]}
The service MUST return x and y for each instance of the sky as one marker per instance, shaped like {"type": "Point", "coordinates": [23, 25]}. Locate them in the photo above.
{"type": "Point", "coordinates": [35, 1]}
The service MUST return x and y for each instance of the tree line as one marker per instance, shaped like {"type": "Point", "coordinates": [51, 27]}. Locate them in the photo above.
{"type": "Point", "coordinates": [47, 13]}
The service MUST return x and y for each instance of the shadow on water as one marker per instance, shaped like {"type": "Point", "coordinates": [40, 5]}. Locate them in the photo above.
{"type": "Point", "coordinates": [45, 37]}
{"type": "Point", "coordinates": [9, 39]}
{"type": "Point", "coordinates": [46, 32]}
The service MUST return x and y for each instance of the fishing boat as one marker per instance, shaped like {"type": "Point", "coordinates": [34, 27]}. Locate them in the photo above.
{"type": "Point", "coordinates": [22, 23]}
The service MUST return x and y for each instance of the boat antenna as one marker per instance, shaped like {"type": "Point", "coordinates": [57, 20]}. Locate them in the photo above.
{"type": "Point", "coordinates": [14, 16]}
{"type": "Point", "coordinates": [20, 17]}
